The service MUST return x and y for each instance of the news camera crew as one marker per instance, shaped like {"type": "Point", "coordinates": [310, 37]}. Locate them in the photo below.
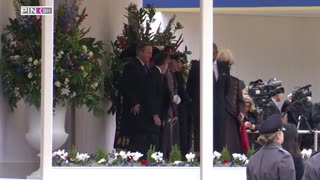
{"type": "Point", "coordinates": [312, 168]}
{"type": "Point", "coordinates": [271, 161]}
{"type": "Point", "coordinates": [266, 96]}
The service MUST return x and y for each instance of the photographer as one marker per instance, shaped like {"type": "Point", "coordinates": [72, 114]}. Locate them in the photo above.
{"type": "Point", "coordinates": [274, 107]}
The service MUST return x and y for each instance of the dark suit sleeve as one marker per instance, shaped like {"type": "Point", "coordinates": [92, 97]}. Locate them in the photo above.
{"type": "Point", "coordinates": [193, 80]}
{"type": "Point", "coordinates": [153, 95]}
{"type": "Point", "coordinates": [130, 75]}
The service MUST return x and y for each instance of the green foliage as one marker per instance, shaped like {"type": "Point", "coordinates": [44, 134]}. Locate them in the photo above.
{"type": "Point", "coordinates": [251, 151]}
{"type": "Point", "coordinates": [175, 154]}
{"type": "Point", "coordinates": [151, 150]}
{"type": "Point", "coordinates": [225, 154]}
{"type": "Point", "coordinates": [78, 77]}
{"type": "Point", "coordinates": [72, 153]}
{"type": "Point", "coordinates": [101, 154]}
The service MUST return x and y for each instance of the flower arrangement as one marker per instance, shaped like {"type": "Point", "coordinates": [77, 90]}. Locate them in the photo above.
{"type": "Point", "coordinates": [118, 158]}
{"type": "Point", "coordinates": [77, 73]}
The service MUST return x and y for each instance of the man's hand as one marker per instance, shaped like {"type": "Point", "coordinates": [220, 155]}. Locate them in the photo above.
{"type": "Point", "coordinates": [173, 122]}
{"type": "Point", "coordinates": [157, 120]}
{"type": "Point", "coordinates": [136, 109]}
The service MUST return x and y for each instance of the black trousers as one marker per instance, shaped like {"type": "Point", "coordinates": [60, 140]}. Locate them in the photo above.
{"type": "Point", "coordinates": [142, 143]}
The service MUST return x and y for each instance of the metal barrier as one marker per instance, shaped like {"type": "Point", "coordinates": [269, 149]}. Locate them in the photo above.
{"type": "Point", "coordinates": [316, 134]}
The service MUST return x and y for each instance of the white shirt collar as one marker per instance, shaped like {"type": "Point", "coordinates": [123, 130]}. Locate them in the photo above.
{"type": "Point", "coordinates": [140, 61]}
{"type": "Point", "coordinates": [159, 69]}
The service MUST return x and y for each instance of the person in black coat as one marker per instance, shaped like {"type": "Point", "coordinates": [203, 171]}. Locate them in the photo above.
{"type": "Point", "coordinates": [159, 100]}
{"type": "Point", "coordinates": [193, 91]}
{"type": "Point", "coordinates": [133, 89]}
{"type": "Point", "coordinates": [291, 144]}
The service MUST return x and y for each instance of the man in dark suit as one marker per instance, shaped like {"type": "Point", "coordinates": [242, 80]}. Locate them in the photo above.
{"type": "Point", "coordinates": [159, 99]}
{"type": "Point", "coordinates": [193, 90]}
{"type": "Point", "coordinates": [134, 83]}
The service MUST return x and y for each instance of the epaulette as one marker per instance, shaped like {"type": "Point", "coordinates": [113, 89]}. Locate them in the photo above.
{"type": "Point", "coordinates": [315, 153]}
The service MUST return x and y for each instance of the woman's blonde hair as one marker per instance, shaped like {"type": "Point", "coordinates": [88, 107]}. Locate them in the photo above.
{"type": "Point", "coordinates": [225, 55]}
{"type": "Point", "coordinates": [248, 99]}
{"type": "Point", "coordinates": [264, 139]}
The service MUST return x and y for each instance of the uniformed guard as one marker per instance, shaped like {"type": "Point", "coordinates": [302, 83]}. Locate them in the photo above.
{"type": "Point", "coordinates": [271, 161]}
{"type": "Point", "coordinates": [312, 168]}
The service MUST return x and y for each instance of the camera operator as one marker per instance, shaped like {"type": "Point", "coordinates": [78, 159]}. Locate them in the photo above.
{"type": "Point", "coordinates": [274, 107]}
{"type": "Point", "coordinates": [316, 115]}
{"type": "Point", "coordinates": [300, 114]}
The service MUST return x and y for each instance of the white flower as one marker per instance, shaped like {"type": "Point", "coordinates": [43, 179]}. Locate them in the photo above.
{"type": "Point", "coordinates": [94, 85]}
{"type": "Point", "coordinates": [66, 81]}
{"type": "Point", "coordinates": [65, 91]}
{"type": "Point", "coordinates": [177, 162]}
{"type": "Point", "coordinates": [103, 160]}
{"type": "Point", "coordinates": [157, 156]}
{"type": "Point", "coordinates": [90, 54]}
{"type": "Point", "coordinates": [236, 156]}
{"type": "Point", "coordinates": [136, 156]}
{"type": "Point", "coordinates": [30, 59]}
{"type": "Point", "coordinates": [61, 153]}
{"type": "Point", "coordinates": [216, 155]}
{"type": "Point", "coordinates": [247, 162]}
{"type": "Point", "coordinates": [84, 48]}
{"type": "Point", "coordinates": [57, 83]}
{"type": "Point", "coordinates": [306, 153]}
{"type": "Point", "coordinates": [15, 57]}
{"type": "Point", "coordinates": [73, 94]}
{"type": "Point", "coordinates": [30, 75]}
{"type": "Point", "coordinates": [190, 157]}
{"type": "Point", "coordinates": [82, 68]}
{"type": "Point", "coordinates": [60, 53]}
{"type": "Point", "coordinates": [35, 62]}
{"type": "Point", "coordinates": [82, 157]}
{"type": "Point", "coordinates": [123, 155]}
{"type": "Point", "coordinates": [85, 74]}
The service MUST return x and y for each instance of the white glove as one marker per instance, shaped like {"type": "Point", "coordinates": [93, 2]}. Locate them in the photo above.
{"type": "Point", "coordinates": [176, 99]}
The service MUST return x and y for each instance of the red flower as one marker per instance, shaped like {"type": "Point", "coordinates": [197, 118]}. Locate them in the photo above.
{"type": "Point", "coordinates": [69, 158]}
{"type": "Point", "coordinates": [167, 50]}
{"type": "Point", "coordinates": [129, 158]}
{"type": "Point", "coordinates": [144, 162]}
{"type": "Point", "coordinates": [225, 161]}
{"type": "Point", "coordinates": [122, 42]}
{"type": "Point", "coordinates": [18, 80]}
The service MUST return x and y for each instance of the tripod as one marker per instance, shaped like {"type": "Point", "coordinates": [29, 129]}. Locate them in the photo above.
{"type": "Point", "coordinates": [304, 119]}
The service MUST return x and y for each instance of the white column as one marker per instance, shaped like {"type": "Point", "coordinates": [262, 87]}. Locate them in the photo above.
{"type": "Point", "coordinates": [206, 89]}
{"type": "Point", "coordinates": [46, 91]}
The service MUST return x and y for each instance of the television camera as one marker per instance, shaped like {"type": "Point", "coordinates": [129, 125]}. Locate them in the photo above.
{"type": "Point", "coordinates": [261, 93]}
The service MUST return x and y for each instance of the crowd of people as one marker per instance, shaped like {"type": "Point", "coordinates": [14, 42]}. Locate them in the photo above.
{"type": "Point", "coordinates": [161, 110]}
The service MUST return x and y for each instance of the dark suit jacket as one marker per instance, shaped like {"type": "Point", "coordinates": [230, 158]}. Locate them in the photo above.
{"type": "Point", "coordinates": [158, 98]}
{"type": "Point", "coordinates": [133, 89]}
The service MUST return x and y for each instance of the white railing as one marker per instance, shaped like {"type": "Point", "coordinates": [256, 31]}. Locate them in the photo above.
{"type": "Point", "coordinates": [315, 132]}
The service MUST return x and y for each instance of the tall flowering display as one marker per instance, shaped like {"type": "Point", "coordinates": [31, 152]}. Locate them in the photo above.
{"type": "Point", "coordinates": [77, 73]}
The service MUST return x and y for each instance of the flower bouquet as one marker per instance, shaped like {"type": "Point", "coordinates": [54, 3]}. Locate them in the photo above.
{"type": "Point", "coordinates": [77, 73]}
